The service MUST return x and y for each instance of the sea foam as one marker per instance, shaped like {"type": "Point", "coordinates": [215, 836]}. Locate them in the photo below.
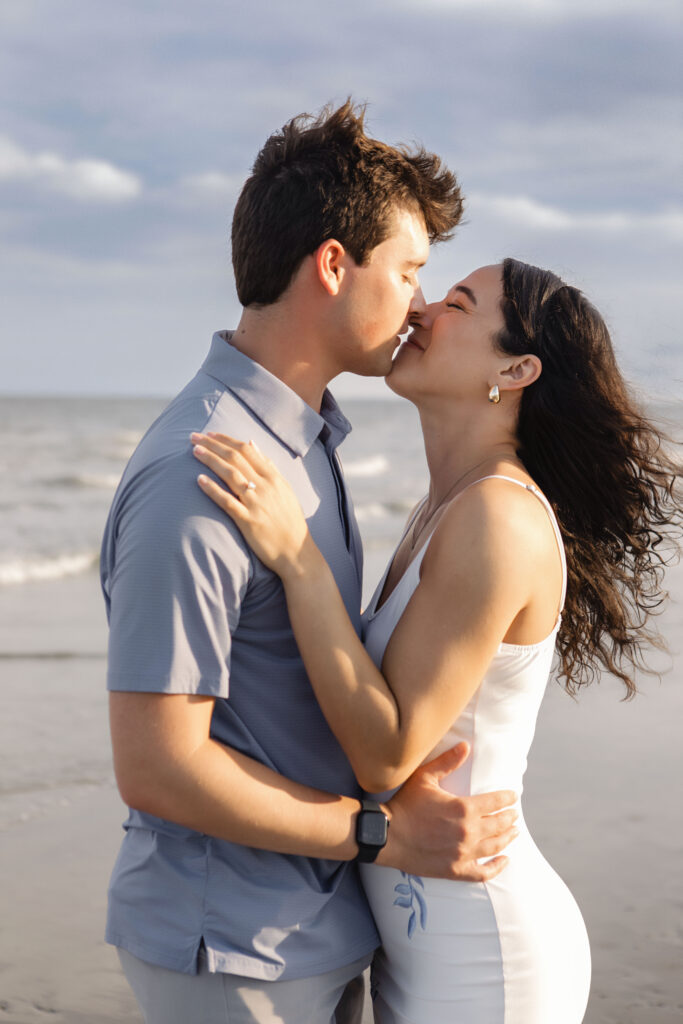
{"type": "Point", "coordinates": [26, 570]}
{"type": "Point", "coordinates": [103, 481]}
{"type": "Point", "coordinates": [374, 465]}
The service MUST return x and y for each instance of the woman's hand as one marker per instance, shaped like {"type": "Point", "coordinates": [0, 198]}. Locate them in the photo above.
{"type": "Point", "coordinates": [260, 502]}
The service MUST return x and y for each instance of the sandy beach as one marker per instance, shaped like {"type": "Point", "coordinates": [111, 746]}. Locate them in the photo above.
{"type": "Point", "coordinates": [601, 797]}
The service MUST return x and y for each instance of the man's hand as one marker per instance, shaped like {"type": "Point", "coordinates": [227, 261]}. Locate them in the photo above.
{"type": "Point", "coordinates": [438, 835]}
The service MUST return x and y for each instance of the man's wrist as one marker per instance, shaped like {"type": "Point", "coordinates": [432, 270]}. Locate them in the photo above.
{"type": "Point", "coordinates": [392, 855]}
{"type": "Point", "coordinates": [372, 828]}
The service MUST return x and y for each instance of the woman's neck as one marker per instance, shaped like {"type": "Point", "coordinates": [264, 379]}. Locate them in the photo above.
{"type": "Point", "coordinates": [459, 444]}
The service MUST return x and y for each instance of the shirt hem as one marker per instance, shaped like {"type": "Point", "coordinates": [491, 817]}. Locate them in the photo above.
{"type": "Point", "coordinates": [241, 966]}
{"type": "Point", "coordinates": [211, 687]}
{"type": "Point", "coordinates": [160, 958]}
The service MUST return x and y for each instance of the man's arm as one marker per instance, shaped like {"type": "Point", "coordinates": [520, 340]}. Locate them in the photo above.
{"type": "Point", "coordinates": [167, 765]}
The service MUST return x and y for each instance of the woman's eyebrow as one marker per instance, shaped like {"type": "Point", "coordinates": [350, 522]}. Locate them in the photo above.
{"type": "Point", "coordinates": [468, 292]}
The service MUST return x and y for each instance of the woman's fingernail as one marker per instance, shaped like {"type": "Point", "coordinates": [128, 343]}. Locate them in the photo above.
{"type": "Point", "coordinates": [202, 479]}
{"type": "Point", "coordinates": [198, 450]}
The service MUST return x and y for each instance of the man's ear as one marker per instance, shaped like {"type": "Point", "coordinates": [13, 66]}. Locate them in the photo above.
{"type": "Point", "coordinates": [329, 265]}
{"type": "Point", "coordinates": [520, 373]}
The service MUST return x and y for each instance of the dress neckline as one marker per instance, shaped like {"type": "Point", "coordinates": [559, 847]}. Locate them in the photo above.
{"type": "Point", "coordinates": [374, 608]}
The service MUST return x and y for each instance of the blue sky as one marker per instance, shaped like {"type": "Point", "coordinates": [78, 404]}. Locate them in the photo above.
{"type": "Point", "coordinates": [128, 127]}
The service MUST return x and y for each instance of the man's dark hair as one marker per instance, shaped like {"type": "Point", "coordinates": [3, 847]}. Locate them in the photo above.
{"type": "Point", "coordinates": [321, 178]}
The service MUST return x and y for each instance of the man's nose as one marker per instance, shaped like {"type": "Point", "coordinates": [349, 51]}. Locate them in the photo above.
{"type": "Point", "coordinates": [418, 304]}
{"type": "Point", "coordinates": [418, 311]}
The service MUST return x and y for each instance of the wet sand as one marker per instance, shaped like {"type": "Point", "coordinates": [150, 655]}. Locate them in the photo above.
{"type": "Point", "coordinates": [602, 796]}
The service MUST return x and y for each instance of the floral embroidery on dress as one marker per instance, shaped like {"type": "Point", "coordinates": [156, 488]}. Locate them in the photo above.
{"type": "Point", "coordinates": [410, 897]}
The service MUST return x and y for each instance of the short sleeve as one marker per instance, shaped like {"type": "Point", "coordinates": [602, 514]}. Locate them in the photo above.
{"type": "Point", "coordinates": [176, 575]}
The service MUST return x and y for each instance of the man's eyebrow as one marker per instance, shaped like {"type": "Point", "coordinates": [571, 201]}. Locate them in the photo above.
{"type": "Point", "coordinates": [468, 292]}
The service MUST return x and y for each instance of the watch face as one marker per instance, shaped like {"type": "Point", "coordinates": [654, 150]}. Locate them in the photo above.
{"type": "Point", "coordinates": [372, 828]}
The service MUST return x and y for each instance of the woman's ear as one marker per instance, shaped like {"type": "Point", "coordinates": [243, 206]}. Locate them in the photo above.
{"type": "Point", "coordinates": [520, 373]}
{"type": "Point", "coordinates": [329, 265]}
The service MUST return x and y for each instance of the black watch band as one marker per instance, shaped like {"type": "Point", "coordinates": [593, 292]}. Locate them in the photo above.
{"type": "Point", "coordinates": [372, 826]}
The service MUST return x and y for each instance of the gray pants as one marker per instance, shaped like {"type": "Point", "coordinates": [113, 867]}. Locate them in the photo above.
{"type": "Point", "coordinates": [171, 997]}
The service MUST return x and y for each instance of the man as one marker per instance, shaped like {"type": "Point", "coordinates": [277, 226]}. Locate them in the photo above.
{"type": "Point", "coordinates": [235, 895]}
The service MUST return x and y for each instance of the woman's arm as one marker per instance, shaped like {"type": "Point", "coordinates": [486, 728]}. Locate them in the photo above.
{"type": "Point", "coordinates": [474, 582]}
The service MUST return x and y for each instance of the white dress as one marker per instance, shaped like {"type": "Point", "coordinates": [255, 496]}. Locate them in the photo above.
{"type": "Point", "coordinates": [510, 951]}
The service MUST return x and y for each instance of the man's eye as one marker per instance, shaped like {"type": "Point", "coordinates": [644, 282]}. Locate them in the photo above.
{"type": "Point", "coordinates": [455, 305]}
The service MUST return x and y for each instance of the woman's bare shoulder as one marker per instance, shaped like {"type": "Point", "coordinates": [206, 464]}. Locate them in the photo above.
{"type": "Point", "coordinates": [493, 522]}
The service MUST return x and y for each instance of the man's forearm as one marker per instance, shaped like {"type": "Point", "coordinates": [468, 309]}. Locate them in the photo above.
{"type": "Point", "coordinates": [167, 765]}
{"type": "Point", "coordinates": [225, 794]}
{"type": "Point", "coordinates": [221, 792]}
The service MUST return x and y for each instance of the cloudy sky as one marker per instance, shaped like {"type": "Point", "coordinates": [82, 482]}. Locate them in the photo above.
{"type": "Point", "coordinates": [127, 127]}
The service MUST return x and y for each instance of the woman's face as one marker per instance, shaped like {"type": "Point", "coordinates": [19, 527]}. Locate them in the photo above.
{"type": "Point", "coordinates": [450, 349]}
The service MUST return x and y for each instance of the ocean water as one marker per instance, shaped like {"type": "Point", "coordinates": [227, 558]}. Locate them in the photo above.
{"type": "Point", "coordinates": [60, 462]}
{"type": "Point", "coordinates": [61, 459]}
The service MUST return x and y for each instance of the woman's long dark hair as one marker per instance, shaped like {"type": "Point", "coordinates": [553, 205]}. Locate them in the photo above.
{"type": "Point", "coordinates": [604, 468]}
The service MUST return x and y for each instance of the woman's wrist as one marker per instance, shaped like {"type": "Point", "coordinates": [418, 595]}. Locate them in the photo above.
{"type": "Point", "coordinates": [302, 565]}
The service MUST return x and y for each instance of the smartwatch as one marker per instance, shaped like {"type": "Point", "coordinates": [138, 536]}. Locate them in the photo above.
{"type": "Point", "coordinates": [372, 826]}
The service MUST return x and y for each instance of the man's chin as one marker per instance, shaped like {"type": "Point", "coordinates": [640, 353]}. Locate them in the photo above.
{"type": "Point", "coordinates": [379, 367]}
{"type": "Point", "coordinates": [392, 381]}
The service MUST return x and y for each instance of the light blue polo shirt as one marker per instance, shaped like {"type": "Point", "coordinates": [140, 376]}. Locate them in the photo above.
{"type": "Point", "coordinates": [192, 610]}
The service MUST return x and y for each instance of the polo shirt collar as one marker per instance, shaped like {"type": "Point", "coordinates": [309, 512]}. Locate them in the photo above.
{"type": "Point", "coordinates": [282, 411]}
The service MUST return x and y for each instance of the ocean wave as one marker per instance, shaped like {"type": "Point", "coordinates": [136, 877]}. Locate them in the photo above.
{"type": "Point", "coordinates": [374, 465]}
{"type": "Point", "coordinates": [118, 453]}
{"type": "Point", "coordinates": [52, 655]}
{"type": "Point", "coordinates": [101, 481]}
{"type": "Point", "coordinates": [376, 510]}
{"type": "Point", "coordinates": [124, 443]}
{"type": "Point", "coordinates": [27, 570]}
{"type": "Point", "coordinates": [129, 437]}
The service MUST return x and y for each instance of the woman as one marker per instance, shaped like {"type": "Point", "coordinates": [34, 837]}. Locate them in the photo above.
{"type": "Point", "coordinates": [534, 448]}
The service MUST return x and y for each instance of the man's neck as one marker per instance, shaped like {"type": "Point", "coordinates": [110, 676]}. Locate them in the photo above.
{"type": "Point", "coordinates": [292, 355]}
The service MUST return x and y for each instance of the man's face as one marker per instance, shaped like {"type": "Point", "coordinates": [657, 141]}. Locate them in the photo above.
{"type": "Point", "coordinates": [379, 296]}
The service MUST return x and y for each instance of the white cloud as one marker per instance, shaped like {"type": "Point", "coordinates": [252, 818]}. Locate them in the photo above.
{"type": "Point", "coordinates": [87, 180]}
{"type": "Point", "coordinates": [527, 212]}
{"type": "Point", "coordinates": [548, 8]}
{"type": "Point", "coordinates": [213, 184]}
